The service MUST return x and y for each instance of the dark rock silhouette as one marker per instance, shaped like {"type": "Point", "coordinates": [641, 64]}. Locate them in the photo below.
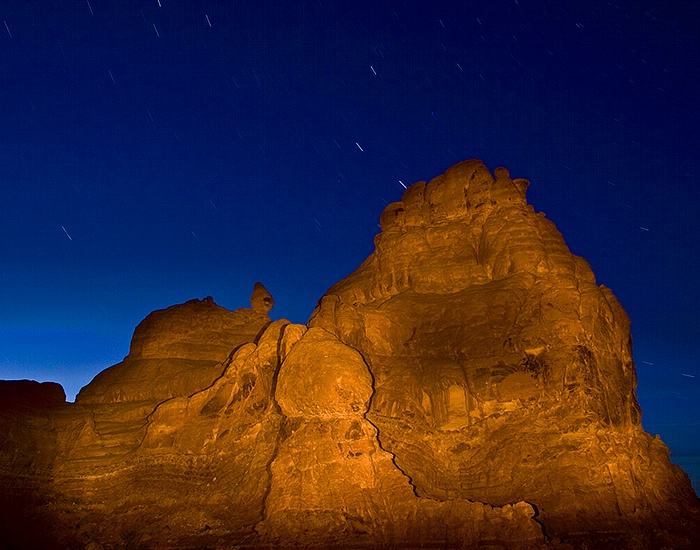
{"type": "Point", "coordinates": [261, 300]}
{"type": "Point", "coordinates": [468, 386]}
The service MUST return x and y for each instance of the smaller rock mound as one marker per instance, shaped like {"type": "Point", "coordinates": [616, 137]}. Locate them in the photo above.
{"type": "Point", "coordinates": [179, 350]}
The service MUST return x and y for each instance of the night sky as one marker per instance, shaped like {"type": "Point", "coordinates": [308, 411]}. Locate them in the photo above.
{"type": "Point", "coordinates": [161, 150]}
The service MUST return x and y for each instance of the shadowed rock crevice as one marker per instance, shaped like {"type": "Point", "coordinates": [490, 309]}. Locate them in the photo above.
{"type": "Point", "coordinates": [379, 435]}
{"type": "Point", "coordinates": [536, 518]}
{"type": "Point", "coordinates": [283, 347]}
{"type": "Point", "coordinates": [470, 385]}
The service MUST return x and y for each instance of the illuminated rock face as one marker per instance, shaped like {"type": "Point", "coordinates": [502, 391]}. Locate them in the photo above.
{"type": "Point", "coordinates": [502, 372]}
{"type": "Point", "coordinates": [468, 386]}
{"type": "Point", "coordinates": [176, 351]}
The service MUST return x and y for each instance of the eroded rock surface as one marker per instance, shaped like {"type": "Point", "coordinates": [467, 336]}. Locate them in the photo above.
{"type": "Point", "coordinates": [178, 350]}
{"type": "Point", "coordinates": [469, 386]}
{"type": "Point", "coordinates": [332, 484]}
{"type": "Point", "coordinates": [502, 371]}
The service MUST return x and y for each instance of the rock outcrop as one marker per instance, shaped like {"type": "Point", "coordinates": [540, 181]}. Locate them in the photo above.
{"type": "Point", "coordinates": [179, 350]}
{"type": "Point", "coordinates": [502, 371]}
{"type": "Point", "coordinates": [469, 386]}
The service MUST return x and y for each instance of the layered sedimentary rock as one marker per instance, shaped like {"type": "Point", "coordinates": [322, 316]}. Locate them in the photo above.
{"type": "Point", "coordinates": [333, 485]}
{"type": "Point", "coordinates": [175, 351]}
{"type": "Point", "coordinates": [502, 371]}
{"type": "Point", "coordinates": [469, 386]}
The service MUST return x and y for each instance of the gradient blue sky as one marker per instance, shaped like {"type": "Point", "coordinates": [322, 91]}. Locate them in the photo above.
{"type": "Point", "coordinates": [160, 150]}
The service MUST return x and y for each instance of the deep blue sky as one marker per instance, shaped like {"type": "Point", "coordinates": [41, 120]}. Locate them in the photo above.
{"type": "Point", "coordinates": [160, 150]}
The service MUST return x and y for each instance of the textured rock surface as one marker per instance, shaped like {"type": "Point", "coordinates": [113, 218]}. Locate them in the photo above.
{"type": "Point", "coordinates": [502, 371]}
{"type": "Point", "coordinates": [178, 350]}
{"type": "Point", "coordinates": [469, 386]}
{"type": "Point", "coordinates": [333, 485]}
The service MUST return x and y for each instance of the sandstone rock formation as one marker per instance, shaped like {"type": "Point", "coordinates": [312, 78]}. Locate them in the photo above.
{"type": "Point", "coordinates": [178, 350]}
{"type": "Point", "coordinates": [502, 371]}
{"type": "Point", "coordinates": [469, 386]}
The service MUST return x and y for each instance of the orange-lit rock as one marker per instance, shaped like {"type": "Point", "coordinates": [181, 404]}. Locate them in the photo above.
{"type": "Point", "coordinates": [502, 372]}
{"type": "Point", "coordinates": [468, 386]}
{"type": "Point", "coordinates": [332, 484]}
{"type": "Point", "coordinates": [178, 350]}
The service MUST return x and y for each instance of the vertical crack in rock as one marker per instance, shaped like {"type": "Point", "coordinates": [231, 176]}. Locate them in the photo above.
{"type": "Point", "coordinates": [379, 433]}
{"type": "Point", "coordinates": [537, 519]}
{"type": "Point", "coordinates": [280, 432]}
